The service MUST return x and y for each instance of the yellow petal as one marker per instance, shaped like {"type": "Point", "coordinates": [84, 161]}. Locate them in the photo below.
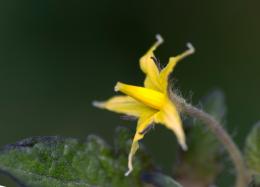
{"type": "Point", "coordinates": [149, 97]}
{"type": "Point", "coordinates": [149, 67]}
{"type": "Point", "coordinates": [125, 105]}
{"type": "Point", "coordinates": [170, 117]}
{"type": "Point", "coordinates": [165, 73]}
{"type": "Point", "coordinates": [143, 123]}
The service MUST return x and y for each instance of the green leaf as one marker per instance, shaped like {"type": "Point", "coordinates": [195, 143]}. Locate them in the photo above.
{"type": "Point", "coordinates": [252, 152]}
{"type": "Point", "coordinates": [160, 180]}
{"type": "Point", "coordinates": [68, 162]}
{"type": "Point", "coordinates": [201, 163]}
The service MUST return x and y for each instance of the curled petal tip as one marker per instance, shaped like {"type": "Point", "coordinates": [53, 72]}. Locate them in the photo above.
{"type": "Point", "coordinates": [128, 172]}
{"type": "Point", "coordinates": [159, 39]}
{"type": "Point", "coordinates": [184, 147]}
{"type": "Point", "coordinates": [190, 48]}
{"type": "Point", "coordinates": [117, 86]}
{"type": "Point", "coordinates": [98, 104]}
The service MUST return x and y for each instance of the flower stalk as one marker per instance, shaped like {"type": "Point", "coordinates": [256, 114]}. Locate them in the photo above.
{"type": "Point", "coordinates": [242, 178]}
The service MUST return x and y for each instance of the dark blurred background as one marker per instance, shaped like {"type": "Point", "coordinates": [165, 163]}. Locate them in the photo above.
{"type": "Point", "coordinates": [56, 57]}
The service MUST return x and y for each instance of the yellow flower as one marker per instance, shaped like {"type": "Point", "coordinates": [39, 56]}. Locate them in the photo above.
{"type": "Point", "coordinates": [150, 103]}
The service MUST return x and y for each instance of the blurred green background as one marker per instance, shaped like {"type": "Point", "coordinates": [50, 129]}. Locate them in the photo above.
{"type": "Point", "coordinates": [56, 57]}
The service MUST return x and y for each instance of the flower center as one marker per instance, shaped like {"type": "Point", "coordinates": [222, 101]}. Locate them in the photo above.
{"type": "Point", "coordinates": [149, 97]}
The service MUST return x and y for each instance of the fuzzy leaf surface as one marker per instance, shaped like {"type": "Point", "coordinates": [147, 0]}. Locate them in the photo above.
{"type": "Point", "coordinates": [69, 162]}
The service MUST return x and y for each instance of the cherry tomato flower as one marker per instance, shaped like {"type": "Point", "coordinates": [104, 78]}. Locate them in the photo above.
{"type": "Point", "coordinates": [150, 103]}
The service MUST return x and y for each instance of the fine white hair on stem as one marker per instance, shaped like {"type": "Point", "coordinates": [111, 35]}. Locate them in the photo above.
{"type": "Point", "coordinates": [215, 127]}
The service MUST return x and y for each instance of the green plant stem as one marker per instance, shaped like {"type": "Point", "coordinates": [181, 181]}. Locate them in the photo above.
{"type": "Point", "coordinates": [242, 178]}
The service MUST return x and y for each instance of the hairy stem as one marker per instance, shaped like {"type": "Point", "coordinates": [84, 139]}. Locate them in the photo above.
{"type": "Point", "coordinates": [242, 178]}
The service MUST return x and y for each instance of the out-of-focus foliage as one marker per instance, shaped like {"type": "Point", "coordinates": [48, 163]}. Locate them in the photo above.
{"type": "Point", "coordinates": [160, 180]}
{"type": "Point", "coordinates": [201, 163]}
{"type": "Point", "coordinates": [56, 161]}
{"type": "Point", "coordinates": [252, 152]}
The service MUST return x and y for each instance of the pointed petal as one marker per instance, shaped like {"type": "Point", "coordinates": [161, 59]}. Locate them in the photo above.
{"type": "Point", "coordinates": [143, 123]}
{"type": "Point", "coordinates": [125, 105]}
{"type": "Point", "coordinates": [170, 117]}
{"type": "Point", "coordinates": [149, 67]}
{"type": "Point", "coordinates": [165, 73]}
{"type": "Point", "coordinates": [147, 96]}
